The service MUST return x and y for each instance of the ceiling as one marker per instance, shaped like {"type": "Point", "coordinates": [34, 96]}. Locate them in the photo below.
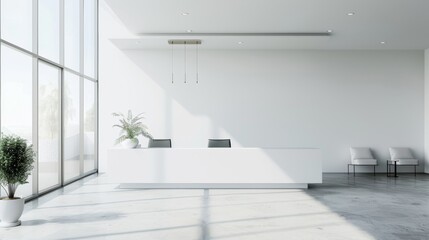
{"type": "Point", "coordinates": [401, 24]}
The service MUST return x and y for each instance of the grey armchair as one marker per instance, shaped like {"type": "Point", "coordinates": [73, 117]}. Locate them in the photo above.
{"type": "Point", "coordinates": [401, 157]}
{"type": "Point", "coordinates": [361, 157]}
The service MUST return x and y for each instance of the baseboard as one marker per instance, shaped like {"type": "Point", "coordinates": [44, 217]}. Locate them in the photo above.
{"type": "Point", "coordinates": [372, 172]}
{"type": "Point", "coordinates": [214, 185]}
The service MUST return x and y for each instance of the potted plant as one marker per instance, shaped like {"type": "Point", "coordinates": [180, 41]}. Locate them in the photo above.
{"type": "Point", "coordinates": [130, 128]}
{"type": "Point", "coordinates": [16, 163]}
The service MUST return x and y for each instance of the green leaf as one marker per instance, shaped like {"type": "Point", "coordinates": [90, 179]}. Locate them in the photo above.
{"type": "Point", "coordinates": [16, 161]}
{"type": "Point", "coordinates": [130, 126]}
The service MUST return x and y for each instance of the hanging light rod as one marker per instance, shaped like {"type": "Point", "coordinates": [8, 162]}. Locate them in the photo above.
{"type": "Point", "coordinates": [184, 41]}
{"type": "Point", "coordinates": [267, 34]}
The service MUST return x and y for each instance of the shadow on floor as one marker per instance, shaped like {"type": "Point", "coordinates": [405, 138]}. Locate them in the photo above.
{"type": "Point", "coordinates": [79, 218]}
{"type": "Point", "coordinates": [386, 208]}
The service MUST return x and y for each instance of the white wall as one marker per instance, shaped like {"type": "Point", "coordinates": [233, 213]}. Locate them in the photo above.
{"type": "Point", "coordinates": [327, 99]}
{"type": "Point", "coordinates": [427, 111]}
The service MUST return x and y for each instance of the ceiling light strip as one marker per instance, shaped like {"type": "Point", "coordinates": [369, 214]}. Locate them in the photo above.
{"type": "Point", "coordinates": [268, 34]}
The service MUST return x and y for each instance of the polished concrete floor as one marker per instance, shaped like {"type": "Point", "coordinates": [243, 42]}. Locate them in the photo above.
{"type": "Point", "coordinates": [343, 207]}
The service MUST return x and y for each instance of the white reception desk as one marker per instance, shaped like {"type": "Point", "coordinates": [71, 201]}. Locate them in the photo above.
{"type": "Point", "coordinates": [215, 167]}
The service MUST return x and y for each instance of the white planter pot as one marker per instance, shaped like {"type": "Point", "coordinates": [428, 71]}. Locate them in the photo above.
{"type": "Point", "coordinates": [10, 212]}
{"type": "Point", "coordinates": [130, 143]}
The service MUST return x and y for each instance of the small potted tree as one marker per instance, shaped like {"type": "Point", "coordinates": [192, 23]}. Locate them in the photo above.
{"type": "Point", "coordinates": [130, 128]}
{"type": "Point", "coordinates": [16, 163]}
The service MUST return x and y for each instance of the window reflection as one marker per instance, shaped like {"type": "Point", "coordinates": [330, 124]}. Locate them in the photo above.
{"type": "Point", "coordinates": [49, 125]}
{"type": "Point", "coordinates": [71, 118]}
{"type": "Point", "coordinates": [16, 99]}
{"type": "Point", "coordinates": [90, 125]}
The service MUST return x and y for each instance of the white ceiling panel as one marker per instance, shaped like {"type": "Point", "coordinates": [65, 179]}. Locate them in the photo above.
{"type": "Point", "coordinates": [402, 24]}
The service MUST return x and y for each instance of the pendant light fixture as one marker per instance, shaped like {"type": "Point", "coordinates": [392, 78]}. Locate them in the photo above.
{"type": "Point", "coordinates": [185, 59]}
{"type": "Point", "coordinates": [185, 44]}
{"type": "Point", "coordinates": [196, 62]}
{"type": "Point", "coordinates": [172, 64]}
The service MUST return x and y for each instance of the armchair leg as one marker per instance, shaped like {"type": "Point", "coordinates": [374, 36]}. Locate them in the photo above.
{"type": "Point", "coordinates": [396, 169]}
{"type": "Point", "coordinates": [387, 168]}
{"type": "Point", "coordinates": [348, 169]}
{"type": "Point", "coordinates": [415, 170]}
{"type": "Point", "coordinates": [354, 170]}
{"type": "Point", "coordinates": [374, 170]}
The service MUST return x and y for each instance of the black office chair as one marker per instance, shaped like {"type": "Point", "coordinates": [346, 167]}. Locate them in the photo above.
{"type": "Point", "coordinates": [159, 143]}
{"type": "Point", "coordinates": [219, 143]}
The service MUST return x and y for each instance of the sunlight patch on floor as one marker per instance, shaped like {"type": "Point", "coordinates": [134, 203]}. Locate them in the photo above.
{"type": "Point", "coordinates": [100, 210]}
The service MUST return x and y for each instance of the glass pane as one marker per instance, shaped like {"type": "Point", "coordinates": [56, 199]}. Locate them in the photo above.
{"type": "Point", "coordinates": [89, 37]}
{"type": "Point", "coordinates": [71, 126]}
{"type": "Point", "coordinates": [16, 99]}
{"type": "Point", "coordinates": [49, 125]}
{"type": "Point", "coordinates": [71, 34]}
{"type": "Point", "coordinates": [49, 29]}
{"type": "Point", "coordinates": [16, 22]}
{"type": "Point", "coordinates": [89, 125]}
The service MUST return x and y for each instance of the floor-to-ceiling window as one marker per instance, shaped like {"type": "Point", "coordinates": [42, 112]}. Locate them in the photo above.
{"type": "Point", "coordinates": [49, 119]}
{"type": "Point", "coordinates": [48, 86]}
{"type": "Point", "coordinates": [89, 110]}
{"type": "Point", "coordinates": [72, 125]}
{"type": "Point", "coordinates": [17, 99]}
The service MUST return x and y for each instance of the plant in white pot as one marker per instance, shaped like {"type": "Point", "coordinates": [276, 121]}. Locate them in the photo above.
{"type": "Point", "coordinates": [130, 128]}
{"type": "Point", "coordinates": [16, 163]}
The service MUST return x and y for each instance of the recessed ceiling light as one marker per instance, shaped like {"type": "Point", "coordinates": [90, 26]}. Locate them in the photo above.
{"type": "Point", "coordinates": [189, 31]}
{"type": "Point", "coordinates": [240, 42]}
{"type": "Point", "coordinates": [185, 14]}
{"type": "Point", "coordinates": [382, 42]}
{"type": "Point", "coordinates": [350, 14]}
{"type": "Point", "coordinates": [329, 31]}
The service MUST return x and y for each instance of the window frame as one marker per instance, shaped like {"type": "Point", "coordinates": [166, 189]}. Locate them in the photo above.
{"type": "Point", "coordinates": [61, 65]}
